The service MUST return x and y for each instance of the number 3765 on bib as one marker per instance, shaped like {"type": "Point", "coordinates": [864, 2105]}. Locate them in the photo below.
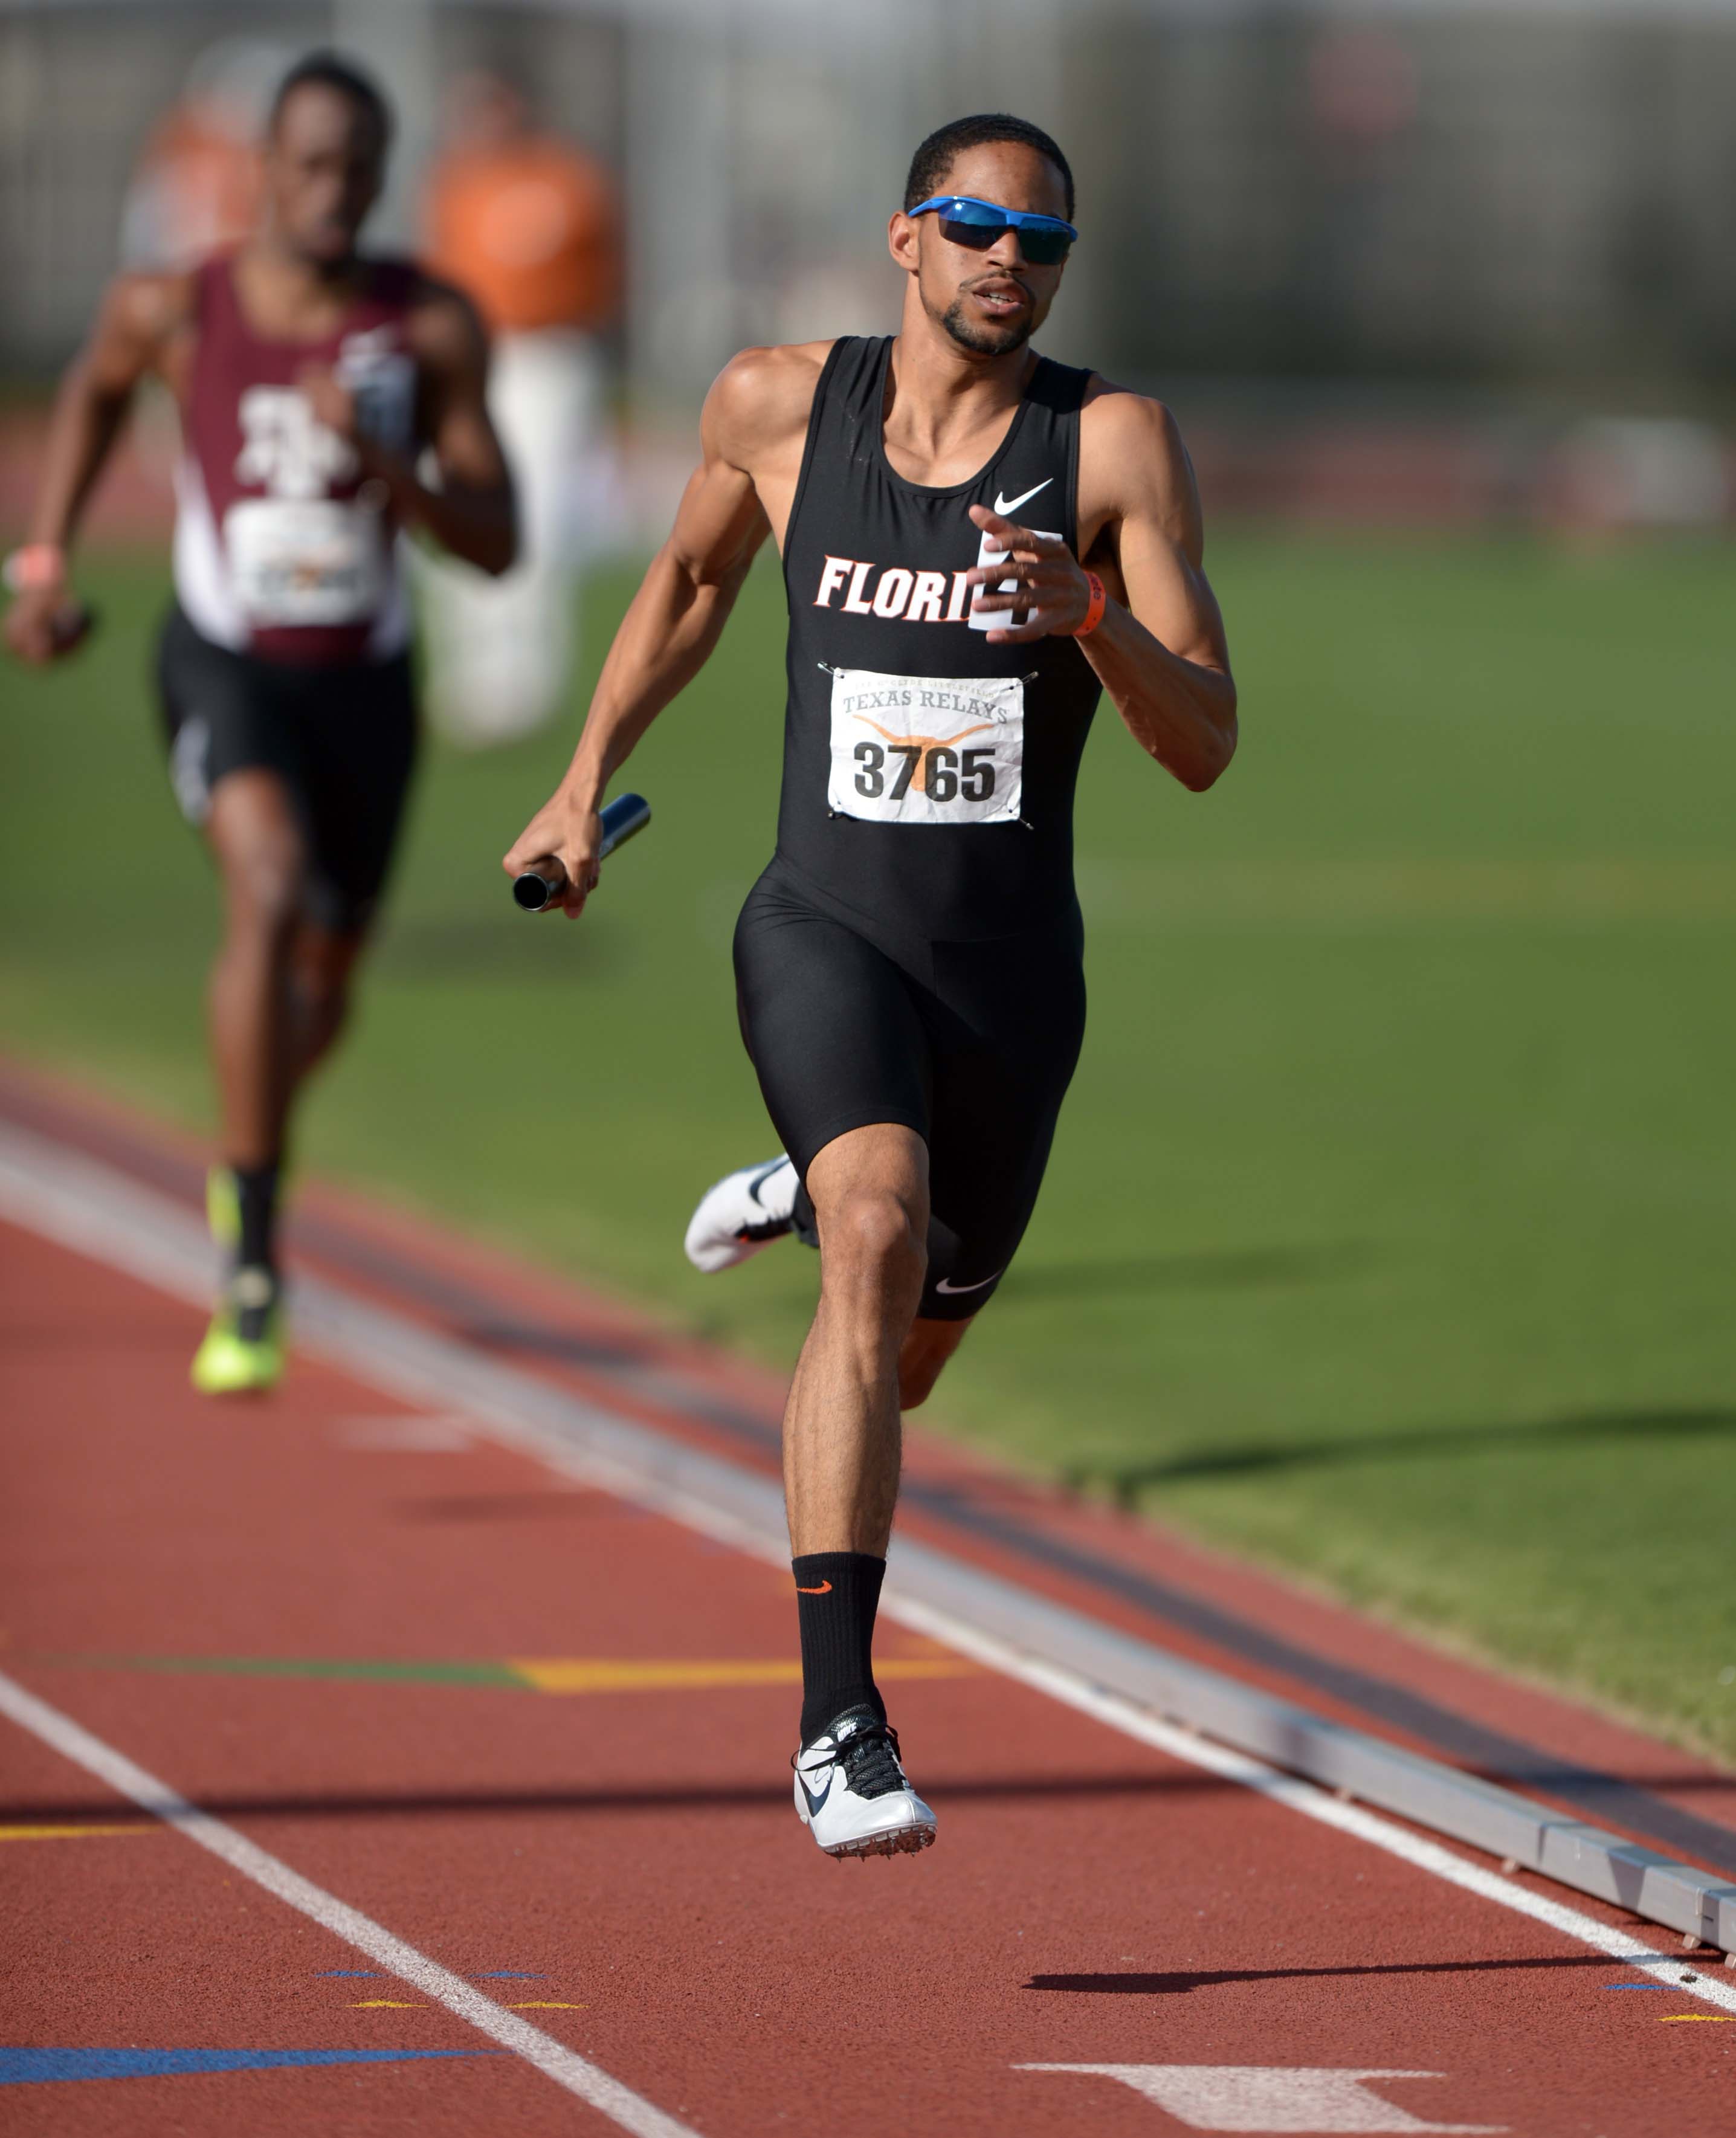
{"type": "Point", "coordinates": [927, 749]}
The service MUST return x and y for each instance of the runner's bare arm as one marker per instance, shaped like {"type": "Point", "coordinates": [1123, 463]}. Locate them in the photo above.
{"type": "Point", "coordinates": [139, 315]}
{"type": "Point", "coordinates": [1159, 649]}
{"type": "Point", "coordinates": [759, 403]}
{"type": "Point", "coordinates": [471, 514]}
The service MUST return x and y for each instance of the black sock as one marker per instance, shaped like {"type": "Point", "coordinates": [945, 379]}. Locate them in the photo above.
{"type": "Point", "coordinates": [837, 1593]}
{"type": "Point", "coordinates": [803, 1223]}
{"type": "Point", "coordinates": [256, 1190]}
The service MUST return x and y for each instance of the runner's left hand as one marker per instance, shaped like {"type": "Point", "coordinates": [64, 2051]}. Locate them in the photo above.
{"type": "Point", "coordinates": [333, 403]}
{"type": "Point", "coordinates": [1052, 586]}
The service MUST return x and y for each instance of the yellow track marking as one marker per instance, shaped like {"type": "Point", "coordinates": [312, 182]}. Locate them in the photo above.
{"type": "Point", "coordinates": [558, 1674]}
{"type": "Point", "coordinates": [1696, 2019]}
{"type": "Point", "coordinates": [582, 1674]}
{"type": "Point", "coordinates": [400, 2004]}
{"type": "Point", "coordinates": [67, 1832]}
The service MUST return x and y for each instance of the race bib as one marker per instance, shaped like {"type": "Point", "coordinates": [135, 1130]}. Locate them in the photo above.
{"type": "Point", "coordinates": [304, 560]}
{"type": "Point", "coordinates": [927, 749]}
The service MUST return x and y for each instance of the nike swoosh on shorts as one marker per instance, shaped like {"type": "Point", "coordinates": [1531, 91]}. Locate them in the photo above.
{"type": "Point", "coordinates": [947, 1285]}
{"type": "Point", "coordinates": [1004, 508]}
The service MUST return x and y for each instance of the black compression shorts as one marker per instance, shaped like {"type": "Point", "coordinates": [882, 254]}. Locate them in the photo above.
{"type": "Point", "coordinates": [343, 739]}
{"type": "Point", "coordinates": [972, 1045]}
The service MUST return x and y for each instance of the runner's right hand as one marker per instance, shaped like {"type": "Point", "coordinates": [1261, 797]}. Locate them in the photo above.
{"type": "Point", "coordinates": [567, 832]}
{"type": "Point", "coordinates": [45, 622]}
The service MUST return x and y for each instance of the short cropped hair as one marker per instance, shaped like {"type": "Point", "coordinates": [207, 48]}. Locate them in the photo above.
{"type": "Point", "coordinates": [937, 156]}
{"type": "Point", "coordinates": [329, 69]}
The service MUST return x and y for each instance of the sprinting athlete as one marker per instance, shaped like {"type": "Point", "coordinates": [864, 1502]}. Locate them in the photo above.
{"type": "Point", "coordinates": [975, 540]}
{"type": "Point", "coordinates": [310, 377]}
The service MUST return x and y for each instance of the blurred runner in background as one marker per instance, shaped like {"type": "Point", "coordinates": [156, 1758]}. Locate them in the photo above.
{"type": "Point", "coordinates": [528, 224]}
{"type": "Point", "coordinates": [311, 379]}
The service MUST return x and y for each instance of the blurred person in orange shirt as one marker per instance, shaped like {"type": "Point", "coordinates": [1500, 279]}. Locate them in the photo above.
{"type": "Point", "coordinates": [527, 224]}
{"type": "Point", "coordinates": [198, 185]}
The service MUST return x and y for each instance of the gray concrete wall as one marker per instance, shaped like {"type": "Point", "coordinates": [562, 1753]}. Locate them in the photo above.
{"type": "Point", "coordinates": [1509, 197]}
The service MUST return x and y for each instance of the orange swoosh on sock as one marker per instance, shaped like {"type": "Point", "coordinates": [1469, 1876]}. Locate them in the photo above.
{"type": "Point", "coordinates": [824, 1589]}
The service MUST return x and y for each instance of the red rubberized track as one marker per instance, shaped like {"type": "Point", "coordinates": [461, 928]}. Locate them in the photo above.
{"type": "Point", "coordinates": [631, 1857]}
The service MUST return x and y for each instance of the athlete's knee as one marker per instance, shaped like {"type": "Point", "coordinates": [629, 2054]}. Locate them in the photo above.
{"type": "Point", "coordinates": [922, 1358]}
{"type": "Point", "coordinates": [916, 1382]}
{"type": "Point", "coordinates": [257, 840]}
{"type": "Point", "coordinates": [265, 882]}
{"type": "Point", "coordinates": [325, 1011]}
{"type": "Point", "coordinates": [324, 964]}
{"type": "Point", "coordinates": [870, 1239]}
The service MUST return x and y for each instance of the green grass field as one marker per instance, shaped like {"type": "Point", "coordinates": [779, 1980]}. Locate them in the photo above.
{"type": "Point", "coordinates": [1389, 1232]}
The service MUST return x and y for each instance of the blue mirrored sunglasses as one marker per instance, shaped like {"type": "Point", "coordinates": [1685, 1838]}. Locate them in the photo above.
{"type": "Point", "coordinates": [1045, 240]}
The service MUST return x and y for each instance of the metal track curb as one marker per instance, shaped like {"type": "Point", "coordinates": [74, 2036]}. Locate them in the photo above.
{"type": "Point", "coordinates": [100, 1212]}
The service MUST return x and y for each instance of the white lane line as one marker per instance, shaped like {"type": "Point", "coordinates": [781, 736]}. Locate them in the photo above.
{"type": "Point", "coordinates": [102, 1214]}
{"type": "Point", "coordinates": [577, 2074]}
{"type": "Point", "coordinates": [1313, 1803]}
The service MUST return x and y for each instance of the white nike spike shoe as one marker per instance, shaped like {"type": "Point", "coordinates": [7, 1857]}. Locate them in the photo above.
{"type": "Point", "coordinates": [742, 1214]}
{"type": "Point", "coordinates": [852, 1794]}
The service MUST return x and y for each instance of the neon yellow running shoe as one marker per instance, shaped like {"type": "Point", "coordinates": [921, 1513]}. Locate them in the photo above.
{"type": "Point", "coordinates": [223, 1208]}
{"type": "Point", "coordinates": [243, 1351]}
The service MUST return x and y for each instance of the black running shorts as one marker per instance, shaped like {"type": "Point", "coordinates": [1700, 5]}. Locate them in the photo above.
{"type": "Point", "coordinates": [972, 1045]}
{"type": "Point", "coordinates": [343, 739]}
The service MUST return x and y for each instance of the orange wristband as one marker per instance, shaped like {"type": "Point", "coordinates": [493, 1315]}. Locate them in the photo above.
{"type": "Point", "coordinates": [1099, 602]}
{"type": "Point", "coordinates": [35, 568]}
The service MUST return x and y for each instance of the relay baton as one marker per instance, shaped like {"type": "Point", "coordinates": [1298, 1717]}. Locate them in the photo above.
{"type": "Point", "coordinates": [546, 884]}
{"type": "Point", "coordinates": [74, 622]}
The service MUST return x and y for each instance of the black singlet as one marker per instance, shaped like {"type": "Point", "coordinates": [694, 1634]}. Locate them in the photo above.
{"type": "Point", "coordinates": [873, 566]}
{"type": "Point", "coordinates": [913, 954]}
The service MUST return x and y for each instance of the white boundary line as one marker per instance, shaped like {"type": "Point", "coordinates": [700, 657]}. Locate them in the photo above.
{"type": "Point", "coordinates": [1315, 1803]}
{"type": "Point", "coordinates": [553, 2059]}
{"type": "Point", "coordinates": [100, 1213]}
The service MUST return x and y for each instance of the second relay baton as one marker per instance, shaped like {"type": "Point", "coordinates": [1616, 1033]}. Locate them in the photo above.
{"type": "Point", "coordinates": [546, 884]}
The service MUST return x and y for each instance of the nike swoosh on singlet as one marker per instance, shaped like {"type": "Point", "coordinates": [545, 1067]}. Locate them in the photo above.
{"type": "Point", "coordinates": [1004, 508]}
{"type": "Point", "coordinates": [946, 1284]}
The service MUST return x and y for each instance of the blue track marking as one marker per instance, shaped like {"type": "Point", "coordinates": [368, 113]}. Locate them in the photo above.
{"type": "Point", "coordinates": [488, 1974]}
{"type": "Point", "coordinates": [51, 2067]}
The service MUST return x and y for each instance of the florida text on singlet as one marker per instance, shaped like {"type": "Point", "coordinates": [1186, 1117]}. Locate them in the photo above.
{"type": "Point", "coordinates": [280, 548]}
{"type": "Point", "coordinates": [927, 775]}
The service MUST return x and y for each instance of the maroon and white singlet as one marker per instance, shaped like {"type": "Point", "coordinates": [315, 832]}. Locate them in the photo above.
{"type": "Point", "coordinates": [281, 550]}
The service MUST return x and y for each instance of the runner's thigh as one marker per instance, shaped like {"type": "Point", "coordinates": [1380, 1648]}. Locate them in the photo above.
{"type": "Point", "coordinates": [360, 734]}
{"type": "Point", "coordinates": [830, 1024]}
{"type": "Point", "coordinates": [220, 715]}
{"type": "Point", "coordinates": [1005, 1022]}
